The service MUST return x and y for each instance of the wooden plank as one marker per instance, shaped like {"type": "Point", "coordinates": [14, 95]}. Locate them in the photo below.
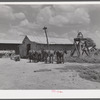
{"type": "Point", "coordinates": [76, 46]}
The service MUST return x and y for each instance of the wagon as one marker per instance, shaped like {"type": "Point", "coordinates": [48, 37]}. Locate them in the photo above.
{"type": "Point", "coordinates": [15, 57]}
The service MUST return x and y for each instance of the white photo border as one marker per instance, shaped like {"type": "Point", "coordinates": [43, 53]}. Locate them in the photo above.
{"type": "Point", "coordinates": [49, 94]}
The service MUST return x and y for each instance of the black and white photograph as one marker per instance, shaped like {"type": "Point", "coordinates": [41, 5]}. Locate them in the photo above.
{"type": "Point", "coordinates": [49, 47]}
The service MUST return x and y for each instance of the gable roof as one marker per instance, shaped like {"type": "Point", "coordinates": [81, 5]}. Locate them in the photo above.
{"type": "Point", "coordinates": [42, 40]}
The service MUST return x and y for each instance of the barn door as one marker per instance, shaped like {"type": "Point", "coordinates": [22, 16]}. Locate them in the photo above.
{"type": "Point", "coordinates": [28, 48]}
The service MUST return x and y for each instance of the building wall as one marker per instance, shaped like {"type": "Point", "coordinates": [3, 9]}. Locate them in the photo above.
{"type": "Point", "coordinates": [56, 46]}
{"type": "Point", "coordinates": [10, 47]}
{"type": "Point", "coordinates": [36, 46]}
{"type": "Point", "coordinates": [23, 47]}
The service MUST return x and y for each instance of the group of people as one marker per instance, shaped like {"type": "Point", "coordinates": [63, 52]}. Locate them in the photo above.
{"type": "Point", "coordinates": [47, 56]}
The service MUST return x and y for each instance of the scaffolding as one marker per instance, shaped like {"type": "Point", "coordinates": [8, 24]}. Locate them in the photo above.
{"type": "Point", "coordinates": [80, 46]}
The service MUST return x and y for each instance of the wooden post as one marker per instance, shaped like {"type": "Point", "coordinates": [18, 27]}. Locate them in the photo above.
{"type": "Point", "coordinates": [45, 28]}
{"type": "Point", "coordinates": [80, 49]}
{"type": "Point", "coordinates": [77, 50]}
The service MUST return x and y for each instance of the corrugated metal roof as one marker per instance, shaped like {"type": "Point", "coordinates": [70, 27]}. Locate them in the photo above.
{"type": "Point", "coordinates": [51, 40]}
{"type": "Point", "coordinates": [10, 41]}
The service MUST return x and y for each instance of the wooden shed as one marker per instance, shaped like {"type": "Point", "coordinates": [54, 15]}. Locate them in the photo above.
{"type": "Point", "coordinates": [10, 45]}
{"type": "Point", "coordinates": [39, 43]}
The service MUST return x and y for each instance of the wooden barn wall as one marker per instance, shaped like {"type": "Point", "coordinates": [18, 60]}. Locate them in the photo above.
{"type": "Point", "coordinates": [23, 47]}
{"type": "Point", "coordinates": [10, 47]}
{"type": "Point", "coordinates": [55, 46]}
{"type": "Point", "coordinates": [36, 46]}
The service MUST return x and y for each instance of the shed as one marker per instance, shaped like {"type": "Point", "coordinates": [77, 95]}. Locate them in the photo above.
{"type": "Point", "coordinates": [39, 43]}
{"type": "Point", "coordinates": [10, 45]}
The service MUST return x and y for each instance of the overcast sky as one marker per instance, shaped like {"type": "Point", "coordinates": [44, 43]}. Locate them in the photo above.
{"type": "Point", "coordinates": [62, 21]}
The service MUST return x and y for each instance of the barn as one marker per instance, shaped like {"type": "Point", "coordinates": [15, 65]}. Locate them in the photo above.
{"type": "Point", "coordinates": [39, 43]}
{"type": "Point", "coordinates": [6, 45]}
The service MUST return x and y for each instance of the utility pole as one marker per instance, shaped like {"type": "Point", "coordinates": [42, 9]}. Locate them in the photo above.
{"type": "Point", "coordinates": [45, 30]}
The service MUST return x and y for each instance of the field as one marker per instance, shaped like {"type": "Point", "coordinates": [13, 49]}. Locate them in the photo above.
{"type": "Point", "coordinates": [24, 75]}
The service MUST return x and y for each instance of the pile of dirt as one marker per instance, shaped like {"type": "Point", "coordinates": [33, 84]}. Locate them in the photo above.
{"type": "Point", "coordinates": [42, 70]}
{"type": "Point", "coordinates": [83, 59]}
{"type": "Point", "coordinates": [89, 74]}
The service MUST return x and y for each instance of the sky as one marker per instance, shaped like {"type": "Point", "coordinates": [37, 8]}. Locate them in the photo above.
{"type": "Point", "coordinates": [63, 21]}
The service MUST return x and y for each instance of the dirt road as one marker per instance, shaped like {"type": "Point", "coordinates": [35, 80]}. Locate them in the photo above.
{"type": "Point", "coordinates": [23, 75]}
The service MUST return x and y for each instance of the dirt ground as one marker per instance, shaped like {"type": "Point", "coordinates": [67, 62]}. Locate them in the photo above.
{"type": "Point", "coordinates": [23, 75]}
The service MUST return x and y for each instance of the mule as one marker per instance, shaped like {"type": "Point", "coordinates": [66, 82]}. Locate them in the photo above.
{"type": "Point", "coordinates": [51, 56]}
{"type": "Point", "coordinates": [38, 55]}
{"type": "Point", "coordinates": [34, 56]}
{"type": "Point", "coordinates": [30, 56]}
{"type": "Point", "coordinates": [60, 56]}
{"type": "Point", "coordinates": [48, 54]}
